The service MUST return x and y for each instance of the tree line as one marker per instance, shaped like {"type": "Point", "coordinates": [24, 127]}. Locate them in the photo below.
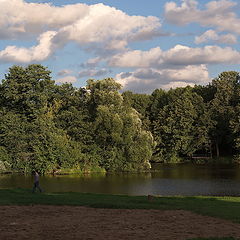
{"type": "Point", "coordinates": [48, 127]}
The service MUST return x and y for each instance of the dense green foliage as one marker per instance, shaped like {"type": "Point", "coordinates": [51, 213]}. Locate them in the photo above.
{"type": "Point", "coordinates": [48, 127]}
{"type": "Point", "coordinates": [193, 120]}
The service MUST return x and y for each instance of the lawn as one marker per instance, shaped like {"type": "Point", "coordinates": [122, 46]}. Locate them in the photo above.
{"type": "Point", "coordinates": [222, 207]}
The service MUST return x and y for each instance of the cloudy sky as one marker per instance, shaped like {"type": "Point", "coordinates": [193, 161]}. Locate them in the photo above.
{"type": "Point", "coordinates": [143, 44]}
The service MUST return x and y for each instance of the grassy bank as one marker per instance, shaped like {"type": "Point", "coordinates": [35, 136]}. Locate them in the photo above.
{"type": "Point", "coordinates": [223, 207]}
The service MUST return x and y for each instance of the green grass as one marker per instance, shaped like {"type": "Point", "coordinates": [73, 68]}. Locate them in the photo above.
{"type": "Point", "coordinates": [222, 207]}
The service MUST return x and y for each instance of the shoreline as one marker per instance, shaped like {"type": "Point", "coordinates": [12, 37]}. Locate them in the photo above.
{"type": "Point", "coordinates": [200, 162]}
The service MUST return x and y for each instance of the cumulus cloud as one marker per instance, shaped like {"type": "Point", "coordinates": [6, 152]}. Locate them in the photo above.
{"type": "Point", "coordinates": [212, 35]}
{"type": "Point", "coordinates": [143, 80]}
{"type": "Point", "coordinates": [178, 66]}
{"type": "Point", "coordinates": [93, 72]}
{"type": "Point", "coordinates": [106, 32]}
{"type": "Point", "coordinates": [219, 14]}
{"type": "Point", "coordinates": [178, 55]}
{"type": "Point", "coordinates": [67, 79]}
{"type": "Point", "coordinates": [64, 72]}
{"type": "Point", "coordinates": [183, 55]}
{"type": "Point", "coordinates": [176, 85]}
{"type": "Point", "coordinates": [107, 28]}
{"type": "Point", "coordinates": [91, 63]}
{"type": "Point", "coordinates": [80, 22]}
{"type": "Point", "coordinates": [191, 74]}
{"type": "Point", "coordinates": [98, 28]}
{"type": "Point", "coordinates": [137, 58]}
{"type": "Point", "coordinates": [18, 17]}
{"type": "Point", "coordinates": [37, 53]}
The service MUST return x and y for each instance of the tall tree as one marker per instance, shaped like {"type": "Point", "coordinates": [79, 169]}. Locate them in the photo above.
{"type": "Point", "coordinates": [223, 107]}
{"type": "Point", "coordinates": [26, 90]}
{"type": "Point", "coordinates": [121, 141]}
{"type": "Point", "coordinates": [182, 126]}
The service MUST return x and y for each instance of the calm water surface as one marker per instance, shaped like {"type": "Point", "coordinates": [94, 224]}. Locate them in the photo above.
{"type": "Point", "coordinates": [182, 179]}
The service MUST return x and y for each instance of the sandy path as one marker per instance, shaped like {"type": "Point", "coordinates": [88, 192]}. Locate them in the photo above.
{"type": "Point", "coordinates": [67, 222]}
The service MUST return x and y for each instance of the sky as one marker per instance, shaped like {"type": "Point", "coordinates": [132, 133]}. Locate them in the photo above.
{"type": "Point", "coordinates": [142, 44]}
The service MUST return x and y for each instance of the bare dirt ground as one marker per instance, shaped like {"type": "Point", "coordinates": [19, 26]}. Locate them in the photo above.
{"type": "Point", "coordinates": [68, 222]}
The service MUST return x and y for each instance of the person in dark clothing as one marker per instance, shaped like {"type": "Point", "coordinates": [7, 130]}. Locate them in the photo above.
{"type": "Point", "coordinates": [36, 182]}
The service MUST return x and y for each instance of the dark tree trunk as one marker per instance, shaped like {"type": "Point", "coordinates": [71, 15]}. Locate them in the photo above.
{"type": "Point", "coordinates": [217, 149]}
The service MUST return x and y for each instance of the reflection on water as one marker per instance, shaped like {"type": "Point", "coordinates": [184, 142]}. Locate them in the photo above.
{"type": "Point", "coordinates": [182, 179]}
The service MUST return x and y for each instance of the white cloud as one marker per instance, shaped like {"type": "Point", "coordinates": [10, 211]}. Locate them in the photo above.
{"type": "Point", "coordinates": [191, 73]}
{"type": "Point", "coordinates": [107, 32]}
{"type": "Point", "coordinates": [178, 66]}
{"type": "Point", "coordinates": [93, 72]}
{"type": "Point", "coordinates": [212, 35]}
{"type": "Point", "coordinates": [92, 62]}
{"type": "Point", "coordinates": [67, 79]}
{"type": "Point", "coordinates": [34, 54]}
{"type": "Point", "coordinates": [80, 22]}
{"type": "Point", "coordinates": [176, 85]}
{"type": "Point", "coordinates": [137, 58]}
{"type": "Point", "coordinates": [178, 55]}
{"type": "Point", "coordinates": [183, 55]}
{"type": "Point", "coordinates": [18, 17]}
{"type": "Point", "coordinates": [98, 28]}
{"type": "Point", "coordinates": [108, 28]}
{"type": "Point", "coordinates": [64, 72]}
{"type": "Point", "coordinates": [227, 39]}
{"type": "Point", "coordinates": [143, 80]}
{"type": "Point", "coordinates": [219, 14]}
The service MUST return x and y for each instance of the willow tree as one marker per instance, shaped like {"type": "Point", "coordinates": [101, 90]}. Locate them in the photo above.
{"type": "Point", "coordinates": [121, 141]}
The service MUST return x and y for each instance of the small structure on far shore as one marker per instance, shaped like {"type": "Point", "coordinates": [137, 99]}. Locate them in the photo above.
{"type": "Point", "coordinates": [201, 156]}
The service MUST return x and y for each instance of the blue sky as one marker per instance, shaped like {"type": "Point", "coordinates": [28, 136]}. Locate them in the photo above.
{"type": "Point", "coordinates": [144, 45]}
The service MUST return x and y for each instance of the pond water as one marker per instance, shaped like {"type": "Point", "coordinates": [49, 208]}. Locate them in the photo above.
{"type": "Point", "coordinates": [180, 179]}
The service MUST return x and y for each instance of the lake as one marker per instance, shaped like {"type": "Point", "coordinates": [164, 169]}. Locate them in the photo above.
{"type": "Point", "coordinates": [175, 179]}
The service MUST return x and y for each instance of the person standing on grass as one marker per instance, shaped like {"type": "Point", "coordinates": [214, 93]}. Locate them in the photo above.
{"type": "Point", "coordinates": [36, 182]}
